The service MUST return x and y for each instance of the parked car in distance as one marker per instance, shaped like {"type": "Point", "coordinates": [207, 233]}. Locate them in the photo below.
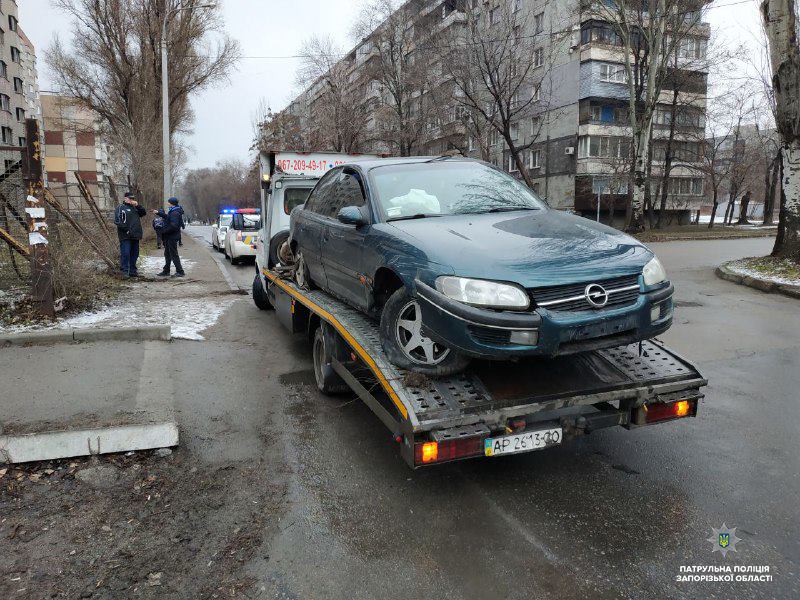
{"type": "Point", "coordinates": [242, 234]}
{"type": "Point", "coordinates": [220, 228]}
{"type": "Point", "coordinates": [459, 260]}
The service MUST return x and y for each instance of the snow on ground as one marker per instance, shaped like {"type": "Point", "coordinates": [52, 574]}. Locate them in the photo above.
{"type": "Point", "coordinates": [145, 305]}
{"type": "Point", "coordinates": [744, 267]}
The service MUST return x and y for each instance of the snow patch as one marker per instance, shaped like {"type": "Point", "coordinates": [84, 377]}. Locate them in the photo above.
{"type": "Point", "coordinates": [740, 268]}
{"type": "Point", "coordinates": [152, 264]}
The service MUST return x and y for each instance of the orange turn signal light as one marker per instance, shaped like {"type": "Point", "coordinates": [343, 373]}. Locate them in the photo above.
{"type": "Point", "coordinates": [681, 408]}
{"type": "Point", "coordinates": [430, 451]}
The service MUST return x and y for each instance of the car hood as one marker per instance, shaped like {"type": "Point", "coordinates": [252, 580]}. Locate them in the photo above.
{"type": "Point", "coordinates": [531, 248]}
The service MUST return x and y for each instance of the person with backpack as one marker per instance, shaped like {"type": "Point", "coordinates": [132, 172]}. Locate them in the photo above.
{"type": "Point", "coordinates": [128, 219]}
{"type": "Point", "coordinates": [170, 233]}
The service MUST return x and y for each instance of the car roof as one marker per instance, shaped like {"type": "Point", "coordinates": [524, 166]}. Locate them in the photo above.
{"type": "Point", "coordinates": [372, 163]}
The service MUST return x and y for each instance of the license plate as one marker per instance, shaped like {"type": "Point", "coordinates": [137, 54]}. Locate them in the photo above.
{"type": "Point", "coordinates": [522, 442]}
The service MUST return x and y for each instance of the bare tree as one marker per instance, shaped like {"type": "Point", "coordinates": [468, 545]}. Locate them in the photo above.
{"type": "Point", "coordinates": [279, 131]}
{"type": "Point", "coordinates": [500, 71]}
{"type": "Point", "coordinates": [112, 65]}
{"type": "Point", "coordinates": [339, 114]}
{"type": "Point", "coordinates": [398, 66]}
{"type": "Point", "coordinates": [229, 183]}
{"type": "Point", "coordinates": [650, 32]}
{"type": "Point", "coordinates": [781, 25]}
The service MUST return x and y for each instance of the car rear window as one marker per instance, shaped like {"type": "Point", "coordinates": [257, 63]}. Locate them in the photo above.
{"type": "Point", "coordinates": [293, 197]}
{"type": "Point", "coordinates": [448, 188]}
{"type": "Point", "coordinates": [249, 222]}
{"type": "Point", "coordinates": [225, 220]}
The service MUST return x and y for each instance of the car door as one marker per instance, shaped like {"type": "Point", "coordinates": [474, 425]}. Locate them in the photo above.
{"type": "Point", "coordinates": [309, 227]}
{"type": "Point", "coordinates": [342, 243]}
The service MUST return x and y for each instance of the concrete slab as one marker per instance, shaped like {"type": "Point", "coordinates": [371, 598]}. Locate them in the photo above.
{"type": "Point", "coordinates": [65, 336]}
{"type": "Point", "coordinates": [52, 445]}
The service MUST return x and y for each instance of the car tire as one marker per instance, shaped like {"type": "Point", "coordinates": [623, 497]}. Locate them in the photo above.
{"type": "Point", "coordinates": [275, 246]}
{"type": "Point", "coordinates": [328, 381]}
{"type": "Point", "coordinates": [260, 296]}
{"type": "Point", "coordinates": [406, 347]}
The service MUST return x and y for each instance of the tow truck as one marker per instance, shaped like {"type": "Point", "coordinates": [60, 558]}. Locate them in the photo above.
{"type": "Point", "coordinates": [492, 409]}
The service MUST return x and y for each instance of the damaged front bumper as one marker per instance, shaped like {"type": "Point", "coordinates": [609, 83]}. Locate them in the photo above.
{"type": "Point", "coordinates": [499, 334]}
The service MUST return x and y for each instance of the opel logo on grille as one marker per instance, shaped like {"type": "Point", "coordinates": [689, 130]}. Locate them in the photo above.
{"type": "Point", "coordinates": [596, 295]}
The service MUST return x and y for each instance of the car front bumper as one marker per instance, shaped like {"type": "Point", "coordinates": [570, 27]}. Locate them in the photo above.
{"type": "Point", "coordinates": [495, 334]}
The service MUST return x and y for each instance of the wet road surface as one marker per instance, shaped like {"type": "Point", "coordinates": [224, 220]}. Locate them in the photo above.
{"type": "Point", "coordinates": [613, 514]}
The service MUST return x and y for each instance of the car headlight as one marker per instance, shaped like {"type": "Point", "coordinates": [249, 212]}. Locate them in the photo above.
{"type": "Point", "coordinates": [483, 293]}
{"type": "Point", "coordinates": [654, 272]}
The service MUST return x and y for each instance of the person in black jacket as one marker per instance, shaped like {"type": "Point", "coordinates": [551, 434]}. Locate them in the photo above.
{"type": "Point", "coordinates": [173, 219]}
{"type": "Point", "coordinates": [128, 219]}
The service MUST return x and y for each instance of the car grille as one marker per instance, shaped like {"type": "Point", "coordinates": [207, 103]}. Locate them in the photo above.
{"type": "Point", "coordinates": [571, 297]}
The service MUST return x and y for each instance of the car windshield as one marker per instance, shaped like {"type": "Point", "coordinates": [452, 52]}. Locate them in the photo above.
{"type": "Point", "coordinates": [294, 197]}
{"type": "Point", "coordinates": [448, 188]}
{"type": "Point", "coordinates": [225, 220]}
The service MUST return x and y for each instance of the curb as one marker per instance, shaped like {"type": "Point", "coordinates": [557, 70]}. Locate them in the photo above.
{"type": "Point", "coordinates": [52, 445]}
{"type": "Point", "coordinates": [67, 336]}
{"type": "Point", "coordinates": [769, 287]}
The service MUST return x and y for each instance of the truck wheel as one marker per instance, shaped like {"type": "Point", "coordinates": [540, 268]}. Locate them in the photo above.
{"type": "Point", "coordinates": [260, 297]}
{"type": "Point", "coordinates": [328, 381]}
{"type": "Point", "coordinates": [407, 347]}
{"type": "Point", "coordinates": [275, 246]}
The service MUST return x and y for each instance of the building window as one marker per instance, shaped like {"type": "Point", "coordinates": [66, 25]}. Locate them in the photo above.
{"type": "Point", "coordinates": [607, 185]}
{"type": "Point", "coordinates": [15, 55]}
{"type": "Point", "coordinates": [19, 87]}
{"type": "Point", "coordinates": [20, 114]}
{"type": "Point", "coordinates": [692, 48]}
{"type": "Point", "coordinates": [536, 93]}
{"type": "Point", "coordinates": [533, 159]}
{"type": "Point", "coordinates": [12, 22]}
{"type": "Point", "coordinates": [613, 73]}
{"type": "Point", "coordinates": [538, 57]}
{"type": "Point", "coordinates": [686, 186]}
{"type": "Point", "coordinates": [494, 16]}
{"type": "Point", "coordinates": [5, 102]}
{"type": "Point", "coordinates": [536, 125]}
{"type": "Point", "coordinates": [23, 141]}
{"type": "Point", "coordinates": [3, 69]}
{"type": "Point", "coordinates": [494, 137]}
{"type": "Point", "coordinates": [512, 164]}
{"type": "Point", "coordinates": [513, 130]}
{"type": "Point", "coordinates": [603, 146]}
{"type": "Point", "coordinates": [8, 135]}
{"type": "Point", "coordinates": [538, 22]}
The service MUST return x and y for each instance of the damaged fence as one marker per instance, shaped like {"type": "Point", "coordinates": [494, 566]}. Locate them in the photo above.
{"type": "Point", "coordinates": [75, 238]}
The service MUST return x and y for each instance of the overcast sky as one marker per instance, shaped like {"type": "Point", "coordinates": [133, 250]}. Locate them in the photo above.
{"type": "Point", "coordinates": [276, 28]}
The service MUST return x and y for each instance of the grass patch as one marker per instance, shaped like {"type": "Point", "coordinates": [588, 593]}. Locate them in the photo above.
{"type": "Point", "coordinates": [779, 270]}
{"type": "Point", "coordinates": [701, 232]}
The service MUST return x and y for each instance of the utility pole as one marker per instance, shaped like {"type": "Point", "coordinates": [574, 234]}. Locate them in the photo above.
{"type": "Point", "coordinates": [41, 269]}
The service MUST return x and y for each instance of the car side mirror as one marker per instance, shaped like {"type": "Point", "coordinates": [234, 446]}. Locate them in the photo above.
{"type": "Point", "coordinates": [351, 215]}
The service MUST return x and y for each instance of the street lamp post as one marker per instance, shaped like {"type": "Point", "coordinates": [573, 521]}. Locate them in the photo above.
{"type": "Point", "coordinates": [165, 99]}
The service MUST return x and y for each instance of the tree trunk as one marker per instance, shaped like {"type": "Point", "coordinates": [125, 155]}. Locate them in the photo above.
{"type": "Point", "coordinates": [790, 240]}
{"type": "Point", "coordinates": [769, 201]}
{"type": "Point", "coordinates": [636, 219]}
{"type": "Point", "coordinates": [743, 210]}
{"type": "Point", "coordinates": [780, 24]}
{"type": "Point", "coordinates": [713, 210]}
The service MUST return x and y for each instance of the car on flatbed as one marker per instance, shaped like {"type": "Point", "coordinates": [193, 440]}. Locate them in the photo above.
{"type": "Point", "coordinates": [459, 260]}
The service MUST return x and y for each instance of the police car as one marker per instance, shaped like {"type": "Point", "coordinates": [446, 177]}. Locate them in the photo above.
{"type": "Point", "coordinates": [220, 228]}
{"type": "Point", "coordinates": [242, 234]}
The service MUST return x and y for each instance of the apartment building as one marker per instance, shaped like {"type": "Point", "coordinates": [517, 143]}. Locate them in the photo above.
{"type": "Point", "coordinates": [73, 145]}
{"type": "Point", "coordinates": [18, 81]}
{"type": "Point", "coordinates": [576, 132]}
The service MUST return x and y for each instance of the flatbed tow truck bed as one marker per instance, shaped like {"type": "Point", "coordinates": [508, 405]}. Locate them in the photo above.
{"type": "Point", "coordinates": [492, 408]}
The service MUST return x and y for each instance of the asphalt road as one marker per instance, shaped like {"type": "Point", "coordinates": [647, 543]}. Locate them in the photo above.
{"type": "Point", "coordinates": [613, 514]}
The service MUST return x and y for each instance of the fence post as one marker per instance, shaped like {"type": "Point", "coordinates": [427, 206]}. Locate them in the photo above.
{"type": "Point", "coordinates": [41, 269]}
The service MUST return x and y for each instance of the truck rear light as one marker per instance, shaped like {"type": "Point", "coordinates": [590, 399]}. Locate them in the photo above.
{"type": "Point", "coordinates": [435, 452]}
{"type": "Point", "coordinates": [660, 411]}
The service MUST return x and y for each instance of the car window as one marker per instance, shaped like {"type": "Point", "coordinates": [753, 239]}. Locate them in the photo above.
{"type": "Point", "coordinates": [293, 197]}
{"type": "Point", "coordinates": [346, 191]}
{"type": "Point", "coordinates": [247, 222]}
{"type": "Point", "coordinates": [225, 220]}
{"type": "Point", "coordinates": [319, 196]}
{"type": "Point", "coordinates": [447, 188]}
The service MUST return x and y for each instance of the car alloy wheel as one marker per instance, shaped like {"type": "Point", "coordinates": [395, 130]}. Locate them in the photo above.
{"type": "Point", "coordinates": [416, 346]}
{"type": "Point", "coordinates": [300, 271]}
